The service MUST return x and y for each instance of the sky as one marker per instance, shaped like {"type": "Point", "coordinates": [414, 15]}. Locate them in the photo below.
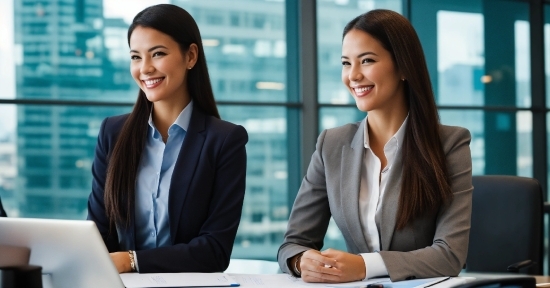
{"type": "Point", "coordinates": [126, 9]}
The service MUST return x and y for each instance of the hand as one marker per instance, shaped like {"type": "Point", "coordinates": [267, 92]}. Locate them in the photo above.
{"type": "Point", "coordinates": [351, 266]}
{"type": "Point", "coordinates": [121, 261]}
{"type": "Point", "coordinates": [316, 267]}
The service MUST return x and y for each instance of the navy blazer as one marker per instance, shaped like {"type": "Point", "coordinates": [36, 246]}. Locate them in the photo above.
{"type": "Point", "coordinates": [205, 197]}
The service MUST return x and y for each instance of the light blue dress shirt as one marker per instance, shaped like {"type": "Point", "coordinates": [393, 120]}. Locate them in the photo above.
{"type": "Point", "coordinates": [154, 175]}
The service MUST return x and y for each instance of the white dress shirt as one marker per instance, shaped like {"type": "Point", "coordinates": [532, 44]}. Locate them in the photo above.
{"type": "Point", "coordinates": [374, 179]}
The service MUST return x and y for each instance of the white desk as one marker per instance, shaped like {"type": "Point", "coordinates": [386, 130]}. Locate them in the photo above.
{"type": "Point", "coordinates": [266, 274]}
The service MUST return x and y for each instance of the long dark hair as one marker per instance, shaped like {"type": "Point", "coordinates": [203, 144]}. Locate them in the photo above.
{"type": "Point", "coordinates": [124, 159]}
{"type": "Point", "coordinates": [425, 185]}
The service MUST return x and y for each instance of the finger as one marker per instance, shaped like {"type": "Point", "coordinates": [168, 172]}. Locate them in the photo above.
{"type": "Point", "coordinates": [314, 266]}
{"type": "Point", "coordinates": [319, 264]}
{"type": "Point", "coordinates": [319, 259]}
{"type": "Point", "coordinates": [312, 276]}
{"type": "Point", "coordinates": [331, 252]}
{"type": "Point", "coordinates": [313, 255]}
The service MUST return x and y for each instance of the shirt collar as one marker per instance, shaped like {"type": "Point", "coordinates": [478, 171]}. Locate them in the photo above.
{"type": "Point", "coordinates": [398, 136]}
{"type": "Point", "coordinates": [182, 120]}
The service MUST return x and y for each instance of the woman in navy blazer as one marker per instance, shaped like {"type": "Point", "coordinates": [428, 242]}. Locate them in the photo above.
{"type": "Point", "coordinates": [174, 144]}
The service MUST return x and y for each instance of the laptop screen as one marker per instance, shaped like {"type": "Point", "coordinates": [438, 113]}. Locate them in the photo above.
{"type": "Point", "coordinates": [72, 251]}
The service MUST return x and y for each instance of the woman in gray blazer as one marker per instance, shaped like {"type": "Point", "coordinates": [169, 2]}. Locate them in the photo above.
{"type": "Point", "coordinates": [398, 184]}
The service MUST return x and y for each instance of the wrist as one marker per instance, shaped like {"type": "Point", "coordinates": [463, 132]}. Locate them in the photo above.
{"type": "Point", "coordinates": [132, 261]}
{"type": "Point", "coordinates": [296, 267]}
{"type": "Point", "coordinates": [363, 272]}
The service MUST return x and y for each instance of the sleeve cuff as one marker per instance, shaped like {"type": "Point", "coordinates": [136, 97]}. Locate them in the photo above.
{"type": "Point", "coordinates": [136, 261]}
{"type": "Point", "coordinates": [374, 265]}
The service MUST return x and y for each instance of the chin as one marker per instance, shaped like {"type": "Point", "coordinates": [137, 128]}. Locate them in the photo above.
{"type": "Point", "coordinates": [363, 107]}
{"type": "Point", "coordinates": [153, 97]}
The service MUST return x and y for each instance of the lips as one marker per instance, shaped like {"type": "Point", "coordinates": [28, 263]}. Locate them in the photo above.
{"type": "Point", "coordinates": [362, 91]}
{"type": "Point", "coordinates": [152, 83]}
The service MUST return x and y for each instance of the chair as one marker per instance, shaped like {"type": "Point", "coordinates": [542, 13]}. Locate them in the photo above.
{"type": "Point", "coordinates": [506, 231]}
{"type": "Point", "coordinates": [2, 212]}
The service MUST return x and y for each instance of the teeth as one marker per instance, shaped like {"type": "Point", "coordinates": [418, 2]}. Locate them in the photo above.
{"type": "Point", "coordinates": [152, 82]}
{"type": "Point", "coordinates": [362, 89]}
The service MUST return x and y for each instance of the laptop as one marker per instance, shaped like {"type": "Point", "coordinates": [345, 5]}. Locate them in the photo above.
{"type": "Point", "coordinates": [70, 251]}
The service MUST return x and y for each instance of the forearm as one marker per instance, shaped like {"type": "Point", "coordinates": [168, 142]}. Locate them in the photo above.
{"type": "Point", "coordinates": [423, 263]}
{"type": "Point", "coordinates": [200, 255]}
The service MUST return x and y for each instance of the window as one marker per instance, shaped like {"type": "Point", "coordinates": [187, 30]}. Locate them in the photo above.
{"type": "Point", "coordinates": [67, 56]}
{"type": "Point", "coordinates": [480, 57]}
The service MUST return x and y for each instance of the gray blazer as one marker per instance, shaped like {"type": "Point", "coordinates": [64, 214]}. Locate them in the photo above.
{"type": "Point", "coordinates": [432, 245]}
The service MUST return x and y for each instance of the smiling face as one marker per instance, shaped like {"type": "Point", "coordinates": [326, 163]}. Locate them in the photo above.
{"type": "Point", "coordinates": [159, 66]}
{"type": "Point", "coordinates": [370, 74]}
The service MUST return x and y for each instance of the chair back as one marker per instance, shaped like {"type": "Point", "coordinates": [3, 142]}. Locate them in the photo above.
{"type": "Point", "coordinates": [507, 216]}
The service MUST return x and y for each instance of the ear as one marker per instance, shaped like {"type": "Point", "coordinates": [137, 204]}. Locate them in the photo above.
{"type": "Point", "coordinates": [192, 55]}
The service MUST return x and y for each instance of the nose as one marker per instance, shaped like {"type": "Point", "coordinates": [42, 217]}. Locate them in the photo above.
{"type": "Point", "coordinates": [146, 67]}
{"type": "Point", "coordinates": [354, 73]}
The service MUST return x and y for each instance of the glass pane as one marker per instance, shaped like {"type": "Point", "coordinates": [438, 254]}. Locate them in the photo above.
{"type": "Point", "coordinates": [476, 54]}
{"type": "Point", "coordinates": [52, 152]}
{"type": "Point", "coordinates": [331, 117]}
{"type": "Point", "coordinates": [494, 134]}
{"type": "Point", "coordinates": [547, 51]}
{"type": "Point", "coordinates": [265, 211]}
{"type": "Point", "coordinates": [332, 16]}
{"type": "Point", "coordinates": [547, 73]}
{"type": "Point", "coordinates": [7, 68]}
{"type": "Point", "coordinates": [8, 159]}
{"type": "Point", "coordinates": [60, 56]}
{"type": "Point", "coordinates": [70, 53]}
{"type": "Point", "coordinates": [245, 46]}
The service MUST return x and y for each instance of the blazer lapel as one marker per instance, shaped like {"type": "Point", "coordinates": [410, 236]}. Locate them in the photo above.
{"type": "Point", "coordinates": [185, 167]}
{"type": "Point", "coordinates": [390, 204]}
{"type": "Point", "coordinates": [352, 163]}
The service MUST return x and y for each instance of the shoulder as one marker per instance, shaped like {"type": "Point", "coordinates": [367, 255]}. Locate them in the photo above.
{"type": "Point", "coordinates": [219, 125]}
{"type": "Point", "coordinates": [221, 129]}
{"type": "Point", "coordinates": [342, 133]}
{"type": "Point", "coordinates": [452, 136]}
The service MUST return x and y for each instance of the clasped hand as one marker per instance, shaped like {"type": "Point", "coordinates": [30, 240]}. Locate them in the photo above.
{"type": "Point", "coordinates": [331, 266]}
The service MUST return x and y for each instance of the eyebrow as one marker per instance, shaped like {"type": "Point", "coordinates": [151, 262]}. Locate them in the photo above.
{"type": "Point", "coordinates": [361, 55]}
{"type": "Point", "coordinates": [150, 49]}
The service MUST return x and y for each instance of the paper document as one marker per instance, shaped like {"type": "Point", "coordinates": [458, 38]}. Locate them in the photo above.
{"type": "Point", "coordinates": [436, 282]}
{"type": "Point", "coordinates": [140, 280]}
{"type": "Point", "coordinates": [289, 281]}
{"type": "Point", "coordinates": [271, 281]}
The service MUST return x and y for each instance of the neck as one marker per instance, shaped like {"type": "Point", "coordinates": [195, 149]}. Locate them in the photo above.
{"type": "Point", "coordinates": [382, 126]}
{"type": "Point", "coordinates": [165, 114]}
